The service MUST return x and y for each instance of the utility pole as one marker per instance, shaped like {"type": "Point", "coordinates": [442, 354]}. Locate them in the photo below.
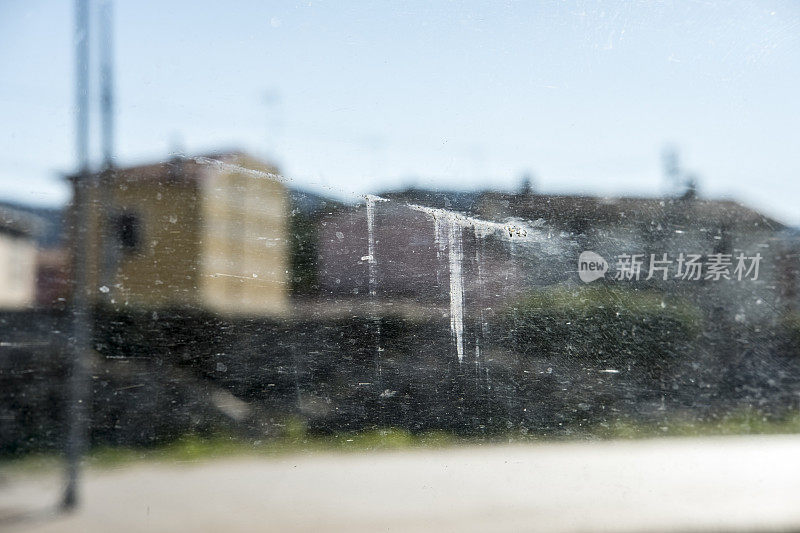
{"type": "Point", "coordinates": [107, 81]}
{"type": "Point", "coordinates": [110, 252]}
{"type": "Point", "coordinates": [78, 384]}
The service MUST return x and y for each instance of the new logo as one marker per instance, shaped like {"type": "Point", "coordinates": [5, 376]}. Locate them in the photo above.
{"type": "Point", "coordinates": [591, 266]}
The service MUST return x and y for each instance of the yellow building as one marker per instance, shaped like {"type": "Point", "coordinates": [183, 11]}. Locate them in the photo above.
{"type": "Point", "coordinates": [207, 233]}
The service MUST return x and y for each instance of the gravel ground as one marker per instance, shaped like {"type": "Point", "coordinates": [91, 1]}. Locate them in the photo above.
{"type": "Point", "coordinates": [715, 484]}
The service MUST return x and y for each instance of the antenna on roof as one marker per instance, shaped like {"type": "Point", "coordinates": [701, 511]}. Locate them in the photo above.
{"type": "Point", "coordinates": [527, 185]}
{"type": "Point", "coordinates": [677, 181]}
{"type": "Point", "coordinates": [671, 168]}
{"type": "Point", "coordinates": [690, 191]}
{"type": "Point", "coordinates": [271, 99]}
{"type": "Point", "coordinates": [176, 149]}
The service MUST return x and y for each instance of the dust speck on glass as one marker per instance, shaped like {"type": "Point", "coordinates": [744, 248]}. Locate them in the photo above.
{"type": "Point", "coordinates": [304, 266]}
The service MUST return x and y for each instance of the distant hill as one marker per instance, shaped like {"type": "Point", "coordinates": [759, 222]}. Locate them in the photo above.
{"type": "Point", "coordinates": [50, 222]}
{"type": "Point", "coordinates": [310, 204]}
{"type": "Point", "coordinates": [463, 201]}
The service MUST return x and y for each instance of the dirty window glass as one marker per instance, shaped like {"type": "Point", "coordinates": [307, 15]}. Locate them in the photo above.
{"type": "Point", "coordinates": [307, 266]}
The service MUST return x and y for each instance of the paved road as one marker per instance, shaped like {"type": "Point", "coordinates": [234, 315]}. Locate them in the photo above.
{"type": "Point", "coordinates": [721, 484]}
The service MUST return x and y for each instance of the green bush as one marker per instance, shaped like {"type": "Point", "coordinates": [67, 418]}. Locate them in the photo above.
{"type": "Point", "coordinates": [602, 327]}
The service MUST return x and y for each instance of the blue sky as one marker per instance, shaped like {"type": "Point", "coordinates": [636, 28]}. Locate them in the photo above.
{"type": "Point", "coordinates": [351, 98]}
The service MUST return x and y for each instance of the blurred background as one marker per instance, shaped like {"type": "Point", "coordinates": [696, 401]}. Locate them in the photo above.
{"type": "Point", "coordinates": [277, 227]}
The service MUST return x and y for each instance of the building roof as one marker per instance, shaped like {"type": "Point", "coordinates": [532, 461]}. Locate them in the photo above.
{"type": "Point", "coordinates": [577, 212]}
{"type": "Point", "coordinates": [182, 167]}
{"type": "Point", "coordinates": [580, 211]}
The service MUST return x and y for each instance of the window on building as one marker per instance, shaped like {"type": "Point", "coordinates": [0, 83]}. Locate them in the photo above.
{"type": "Point", "coordinates": [128, 231]}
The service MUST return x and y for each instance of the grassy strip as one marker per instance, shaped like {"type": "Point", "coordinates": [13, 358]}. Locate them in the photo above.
{"type": "Point", "coordinates": [193, 448]}
{"type": "Point", "coordinates": [740, 422]}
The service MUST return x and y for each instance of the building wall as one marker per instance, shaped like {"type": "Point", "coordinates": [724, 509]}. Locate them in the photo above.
{"type": "Point", "coordinates": [17, 272]}
{"type": "Point", "coordinates": [161, 269]}
{"type": "Point", "coordinates": [53, 285]}
{"type": "Point", "coordinates": [244, 261]}
{"type": "Point", "coordinates": [412, 258]}
{"type": "Point", "coordinates": [405, 253]}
